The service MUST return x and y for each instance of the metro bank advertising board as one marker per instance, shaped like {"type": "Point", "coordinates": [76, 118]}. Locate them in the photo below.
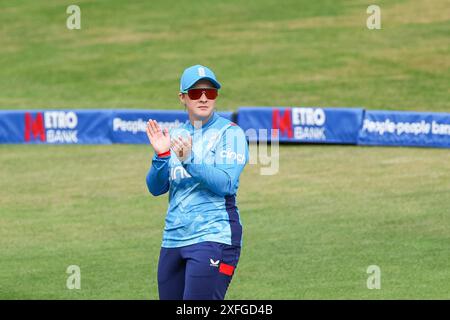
{"type": "Point", "coordinates": [302, 124]}
{"type": "Point", "coordinates": [85, 126]}
{"type": "Point", "coordinates": [55, 127]}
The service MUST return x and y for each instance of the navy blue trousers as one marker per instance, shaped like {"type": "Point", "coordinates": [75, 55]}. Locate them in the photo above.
{"type": "Point", "coordinates": [201, 271]}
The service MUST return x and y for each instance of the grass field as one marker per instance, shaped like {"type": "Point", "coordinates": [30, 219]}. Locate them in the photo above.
{"type": "Point", "coordinates": [310, 231]}
{"type": "Point", "coordinates": [265, 52]}
{"type": "Point", "coordinates": [330, 213]}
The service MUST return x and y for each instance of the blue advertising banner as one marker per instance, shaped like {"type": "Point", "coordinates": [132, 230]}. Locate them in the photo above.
{"type": "Point", "coordinates": [400, 128]}
{"type": "Point", "coordinates": [85, 126]}
{"type": "Point", "coordinates": [55, 127]}
{"type": "Point", "coordinates": [129, 126]}
{"type": "Point", "coordinates": [302, 124]}
{"type": "Point", "coordinates": [297, 124]}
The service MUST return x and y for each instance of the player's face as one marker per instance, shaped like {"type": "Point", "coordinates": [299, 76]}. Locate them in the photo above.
{"type": "Point", "coordinates": [202, 107]}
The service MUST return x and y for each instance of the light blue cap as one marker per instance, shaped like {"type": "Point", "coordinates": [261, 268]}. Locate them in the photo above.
{"type": "Point", "coordinates": [192, 74]}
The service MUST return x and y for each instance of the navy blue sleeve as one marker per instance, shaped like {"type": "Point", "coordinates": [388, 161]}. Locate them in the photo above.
{"type": "Point", "coordinates": [231, 156]}
{"type": "Point", "coordinates": [158, 176]}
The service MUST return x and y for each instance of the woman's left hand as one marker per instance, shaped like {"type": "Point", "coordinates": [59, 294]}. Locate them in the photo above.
{"type": "Point", "coordinates": [182, 147]}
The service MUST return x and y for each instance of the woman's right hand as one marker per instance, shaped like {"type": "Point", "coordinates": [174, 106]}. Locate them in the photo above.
{"type": "Point", "coordinates": [159, 139]}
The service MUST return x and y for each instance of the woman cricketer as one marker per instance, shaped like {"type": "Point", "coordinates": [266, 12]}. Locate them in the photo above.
{"type": "Point", "coordinates": [199, 164]}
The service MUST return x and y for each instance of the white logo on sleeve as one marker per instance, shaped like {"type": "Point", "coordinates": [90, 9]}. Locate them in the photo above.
{"type": "Point", "coordinates": [214, 263]}
{"type": "Point", "coordinates": [180, 172]}
{"type": "Point", "coordinates": [201, 72]}
{"type": "Point", "coordinates": [232, 156]}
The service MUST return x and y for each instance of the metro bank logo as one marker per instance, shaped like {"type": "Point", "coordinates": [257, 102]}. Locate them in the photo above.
{"type": "Point", "coordinates": [282, 123]}
{"type": "Point", "coordinates": [51, 127]}
{"type": "Point", "coordinates": [299, 123]}
{"type": "Point", "coordinates": [34, 128]}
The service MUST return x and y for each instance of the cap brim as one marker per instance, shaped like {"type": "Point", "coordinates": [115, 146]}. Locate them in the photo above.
{"type": "Point", "coordinates": [214, 82]}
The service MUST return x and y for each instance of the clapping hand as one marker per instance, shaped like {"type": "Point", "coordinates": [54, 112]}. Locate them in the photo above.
{"type": "Point", "coordinates": [182, 147]}
{"type": "Point", "coordinates": [159, 139]}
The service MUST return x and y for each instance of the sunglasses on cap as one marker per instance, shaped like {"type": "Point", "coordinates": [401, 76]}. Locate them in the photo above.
{"type": "Point", "coordinates": [196, 93]}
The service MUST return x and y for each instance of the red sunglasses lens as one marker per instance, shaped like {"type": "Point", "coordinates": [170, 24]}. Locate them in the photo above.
{"type": "Point", "coordinates": [196, 94]}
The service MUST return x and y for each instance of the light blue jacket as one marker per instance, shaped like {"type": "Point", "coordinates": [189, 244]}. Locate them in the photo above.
{"type": "Point", "coordinates": [202, 189]}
